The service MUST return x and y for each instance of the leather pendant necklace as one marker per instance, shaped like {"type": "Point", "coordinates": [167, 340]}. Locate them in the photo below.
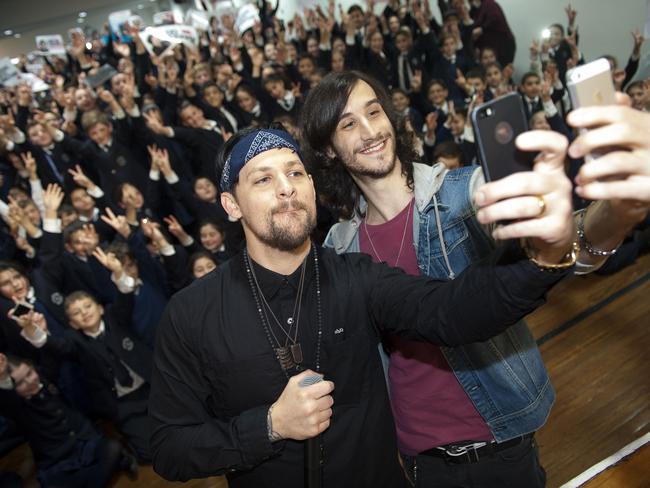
{"type": "Point", "coordinates": [290, 354]}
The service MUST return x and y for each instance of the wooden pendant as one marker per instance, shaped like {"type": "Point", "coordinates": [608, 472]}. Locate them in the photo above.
{"type": "Point", "coordinates": [296, 353]}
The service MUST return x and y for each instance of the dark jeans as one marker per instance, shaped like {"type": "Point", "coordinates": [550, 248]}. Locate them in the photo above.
{"type": "Point", "coordinates": [93, 472]}
{"type": "Point", "coordinates": [516, 467]}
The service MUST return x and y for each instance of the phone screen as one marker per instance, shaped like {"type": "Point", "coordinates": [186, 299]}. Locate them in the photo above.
{"type": "Point", "coordinates": [496, 125]}
{"type": "Point", "coordinates": [21, 309]}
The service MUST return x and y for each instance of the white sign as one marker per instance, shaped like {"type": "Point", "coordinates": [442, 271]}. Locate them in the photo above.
{"type": "Point", "coordinates": [246, 18]}
{"type": "Point", "coordinates": [198, 20]}
{"type": "Point", "coordinates": [164, 18]}
{"type": "Point", "coordinates": [34, 68]}
{"type": "Point", "coordinates": [33, 81]}
{"type": "Point", "coordinates": [7, 71]}
{"type": "Point", "coordinates": [10, 76]}
{"type": "Point", "coordinates": [225, 8]}
{"type": "Point", "coordinates": [51, 44]}
{"type": "Point", "coordinates": [158, 40]}
{"type": "Point", "coordinates": [308, 4]}
{"type": "Point", "coordinates": [116, 21]}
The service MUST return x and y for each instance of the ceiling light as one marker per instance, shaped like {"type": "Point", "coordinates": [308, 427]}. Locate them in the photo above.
{"type": "Point", "coordinates": [89, 45]}
{"type": "Point", "coordinates": [82, 14]}
{"type": "Point", "coordinates": [80, 20]}
{"type": "Point", "coordinates": [8, 32]}
{"type": "Point", "coordinates": [17, 35]}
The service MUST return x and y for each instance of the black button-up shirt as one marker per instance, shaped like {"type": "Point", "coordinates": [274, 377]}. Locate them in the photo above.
{"type": "Point", "coordinates": [215, 374]}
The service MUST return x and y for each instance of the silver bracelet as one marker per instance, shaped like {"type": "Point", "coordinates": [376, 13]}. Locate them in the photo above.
{"type": "Point", "coordinates": [273, 435]}
{"type": "Point", "coordinates": [584, 242]}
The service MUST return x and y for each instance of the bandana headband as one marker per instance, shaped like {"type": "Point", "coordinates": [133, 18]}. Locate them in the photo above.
{"type": "Point", "coordinates": [250, 146]}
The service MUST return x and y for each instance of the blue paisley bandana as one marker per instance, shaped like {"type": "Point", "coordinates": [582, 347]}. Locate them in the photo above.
{"type": "Point", "coordinates": [250, 146]}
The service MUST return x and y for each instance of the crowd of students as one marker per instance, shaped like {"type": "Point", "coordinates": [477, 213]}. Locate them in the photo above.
{"type": "Point", "coordinates": [109, 196]}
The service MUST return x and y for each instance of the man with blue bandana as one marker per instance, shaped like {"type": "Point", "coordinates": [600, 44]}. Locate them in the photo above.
{"type": "Point", "coordinates": [238, 351]}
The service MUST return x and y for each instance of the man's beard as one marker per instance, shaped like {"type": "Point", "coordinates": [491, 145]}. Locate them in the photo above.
{"type": "Point", "coordinates": [380, 169]}
{"type": "Point", "coordinates": [288, 237]}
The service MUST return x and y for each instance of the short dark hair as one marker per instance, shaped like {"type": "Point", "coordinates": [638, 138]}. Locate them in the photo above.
{"type": "Point", "coordinates": [73, 228]}
{"type": "Point", "coordinates": [275, 78]}
{"type": "Point", "coordinates": [475, 73]}
{"type": "Point", "coordinates": [210, 84]}
{"type": "Point", "coordinates": [186, 104]}
{"type": "Point", "coordinates": [66, 208]}
{"type": "Point", "coordinates": [634, 84]}
{"type": "Point", "coordinates": [494, 64]}
{"type": "Point", "coordinates": [92, 118]}
{"type": "Point", "coordinates": [529, 75]}
{"type": "Point", "coordinates": [436, 81]}
{"type": "Point", "coordinates": [404, 31]}
{"type": "Point", "coordinates": [397, 89]}
{"type": "Point", "coordinates": [118, 191]}
{"type": "Point", "coordinates": [213, 222]}
{"type": "Point", "coordinates": [355, 8]}
{"type": "Point", "coordinates": [447, 149]}
{"type": "Point", "coordinates": [75, 296]}
{"type": "Point", "coordinates": [444, 37]}
{"type": "Point", "coordinates": [198, 255]}
{"type": "Point", "coordinates": [121, 251]}
{"type": "Point", "coordinates": [13, 265]}
{"type": "Point", "coordinates": [319, 119]}
{"type": "Point", "coordinates": [305, 56]}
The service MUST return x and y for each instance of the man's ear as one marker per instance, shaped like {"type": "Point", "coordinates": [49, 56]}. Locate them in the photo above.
{"type": "Point", "coordinates": [229, 204]}
{"type": "Point", "coordinates": [330, 153]}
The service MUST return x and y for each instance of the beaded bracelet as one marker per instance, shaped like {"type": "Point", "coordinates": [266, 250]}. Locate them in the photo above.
{"type": "Point", "coordinates": [585, 244]}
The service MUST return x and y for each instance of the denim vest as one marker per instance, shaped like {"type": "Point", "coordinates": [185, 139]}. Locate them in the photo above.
{"type": "Point", "coordinates": [504, 376]}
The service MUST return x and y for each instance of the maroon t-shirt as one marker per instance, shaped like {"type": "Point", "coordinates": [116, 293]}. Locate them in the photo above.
{"type": "Point", "coordinates": [429, 405]}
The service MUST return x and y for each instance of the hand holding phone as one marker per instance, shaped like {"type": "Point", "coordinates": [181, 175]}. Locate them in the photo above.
{"type": "Point", "coordinates": [496, 125]}
{"type": "Point", "coordinates": [22, 308]}
{"type": "Point", "coordinates": [591, 85]}
{"type": "Point", "coordinates": [528, 193]}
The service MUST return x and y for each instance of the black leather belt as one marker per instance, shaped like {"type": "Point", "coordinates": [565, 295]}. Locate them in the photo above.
{"type": "Point", "coordinates": [470, 452]}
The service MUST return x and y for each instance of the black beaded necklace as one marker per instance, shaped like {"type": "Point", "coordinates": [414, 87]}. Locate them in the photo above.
{"type": "Point", "coordinates": [287, 357]}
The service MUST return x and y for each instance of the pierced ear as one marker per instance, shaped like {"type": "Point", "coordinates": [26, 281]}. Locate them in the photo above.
{"type": "Point", "coordinates": [229, 204]}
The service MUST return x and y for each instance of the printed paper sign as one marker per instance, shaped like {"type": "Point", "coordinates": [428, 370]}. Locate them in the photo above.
{"type": "Point", "coordinates": [164, 18]}
{"type": "Point", "coordinates": [10, 76]}
{"type": "Point", "coordinates": [50, 44]}
{"type": "Point", "coordinates": [32, 80]}
{"type": "Point", "coordinates": [7, 71]}
{"type": "Point", "coordinates": [246, 18]}
{"type": "Point", "coordinates": [308, 5]}
{"type": "Point", "coordinates": [223, 8]}
{"type": "Point", "coordinates": [116, 21]}
{"type": "Point", "coordinates": [198, 20]}
{"type": "Point", "coordinates": [158, 40]}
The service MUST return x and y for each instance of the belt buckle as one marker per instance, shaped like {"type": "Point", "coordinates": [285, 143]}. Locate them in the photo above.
{"type": "Point", "coordinates": [459, 450]}
{"type": "Point", "coordinates": [455, 452]}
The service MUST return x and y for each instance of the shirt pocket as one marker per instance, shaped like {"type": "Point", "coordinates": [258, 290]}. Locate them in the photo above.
{"type": "Point", "coordinates": [244, 383]}
{"type": "Point", "coordinates": [346, 364]}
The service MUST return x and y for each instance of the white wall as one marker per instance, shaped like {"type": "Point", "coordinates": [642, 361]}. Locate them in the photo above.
{"type": "Point", "coordinates": [604, 25]}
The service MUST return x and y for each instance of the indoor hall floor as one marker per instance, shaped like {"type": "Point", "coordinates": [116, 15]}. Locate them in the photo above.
{"type": "Point", "coordinates": [594, 334]}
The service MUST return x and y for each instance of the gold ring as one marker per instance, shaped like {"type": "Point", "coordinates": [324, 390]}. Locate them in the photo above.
{"type": "Point", "coordinates": [542, 205]}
